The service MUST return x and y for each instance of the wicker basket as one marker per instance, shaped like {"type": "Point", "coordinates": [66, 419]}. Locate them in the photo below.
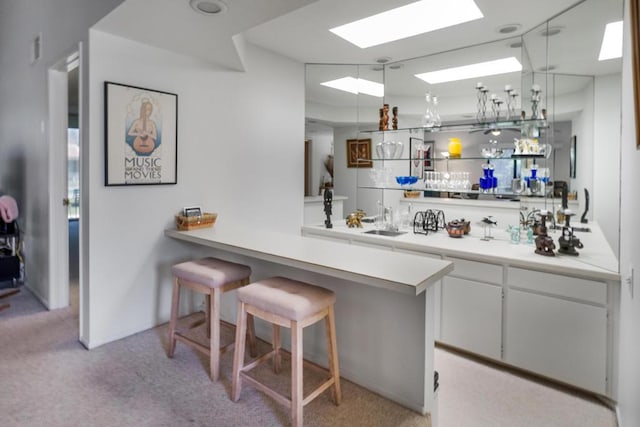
{"type": "Point", "coordinates": [412, 194]}
{"type": "Point", "coordinates": [185, 223]}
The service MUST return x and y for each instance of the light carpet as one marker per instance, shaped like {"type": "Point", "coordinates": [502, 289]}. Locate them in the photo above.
{"type": "Point", "coordinates": [47, 378]}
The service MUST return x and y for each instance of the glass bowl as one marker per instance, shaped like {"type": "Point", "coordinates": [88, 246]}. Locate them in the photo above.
{"type": "Point", "coordinates": [404, 180]}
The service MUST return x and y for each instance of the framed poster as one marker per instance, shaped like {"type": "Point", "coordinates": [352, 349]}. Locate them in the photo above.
{"type": "Point", "coordinates": [141, 135]}
{"type": "Point", "coordinates": [359, 153]}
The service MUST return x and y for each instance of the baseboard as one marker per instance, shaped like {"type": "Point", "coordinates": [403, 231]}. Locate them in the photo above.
{"type": "Point", "coordinates": [38, 297]}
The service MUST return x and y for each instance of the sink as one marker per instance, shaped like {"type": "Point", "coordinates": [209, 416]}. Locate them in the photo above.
{"type": "Point", "coordinates": [385, 232]}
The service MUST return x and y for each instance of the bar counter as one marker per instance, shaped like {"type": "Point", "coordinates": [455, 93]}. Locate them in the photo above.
{"type": "Point", "coordinates": [384, 309]}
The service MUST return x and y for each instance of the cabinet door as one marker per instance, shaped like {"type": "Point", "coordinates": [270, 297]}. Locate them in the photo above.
{"type": "Point", "coordinates": [558, 338]}
{"type": "Point", "coordinates": [472, 316]}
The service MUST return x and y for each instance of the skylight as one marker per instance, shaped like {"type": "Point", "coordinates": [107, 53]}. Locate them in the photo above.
{"type": "Point", "coordinates": [357, 86]}
{"type": "Point", "coordinates": [611, 42]}
{"type": "Point", "coordinates": [406, 21]}
{"type": "Point", "coordinates": [488, 68]}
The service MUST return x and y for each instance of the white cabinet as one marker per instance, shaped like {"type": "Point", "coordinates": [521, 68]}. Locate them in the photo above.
{"type": "Point", "coordinates": [558, 338]}
{"type": "Point", "coordinates": [557, 326]}
{"type": "Point", "coordinates": [472, 316]}
{"type": "Point", "coordinates": [545, 319]}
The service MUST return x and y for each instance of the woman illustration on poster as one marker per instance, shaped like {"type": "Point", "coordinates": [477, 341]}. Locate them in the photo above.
{"type": "Point", "coordinates": [144, 131]}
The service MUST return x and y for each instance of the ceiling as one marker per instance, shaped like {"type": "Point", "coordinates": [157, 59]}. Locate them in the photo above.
{"type": "Point", "coordinates": [299, 29]}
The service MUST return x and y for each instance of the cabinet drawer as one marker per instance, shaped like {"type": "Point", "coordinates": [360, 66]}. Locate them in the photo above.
{"type": "Point", "coordinates": [565, 286]}
{"type": "Point", "coordinates": [419, 253]}
{"type": "Point", "coordinates": [479, 271]}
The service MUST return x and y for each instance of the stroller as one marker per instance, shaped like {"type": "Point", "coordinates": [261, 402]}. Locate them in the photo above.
{"type": "Point", "coordinates": [10, 261]}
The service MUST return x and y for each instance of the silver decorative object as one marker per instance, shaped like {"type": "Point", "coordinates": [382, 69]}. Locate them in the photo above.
{"type": "Point", "coordinates": [495, 107]}
{"type": "Point", "coordinates": [481, 115]}
{"type": "Point", "coordinates": [535, 100]}
{"type": "Point", "coordinates": [511, 102]}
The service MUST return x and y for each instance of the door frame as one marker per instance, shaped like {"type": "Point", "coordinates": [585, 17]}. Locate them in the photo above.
{"type": "Point", "coordinates": [58, 268]}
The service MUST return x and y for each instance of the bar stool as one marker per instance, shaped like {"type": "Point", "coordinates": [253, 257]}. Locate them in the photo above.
{"type": "Point", "coordinates": [212, 277]}
{"type": "Point", "coordinates": [292, 304]}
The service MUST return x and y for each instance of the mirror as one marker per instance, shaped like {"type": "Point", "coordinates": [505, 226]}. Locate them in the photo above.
{"type": "Point", "coordinates": [577, 91]}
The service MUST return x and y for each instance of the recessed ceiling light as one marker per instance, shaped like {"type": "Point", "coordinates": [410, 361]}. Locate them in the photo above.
{"type": "Point", "coordinates": [488, 68]}
{"type": "Point", "coordinates": [396, 66]}
{"type": "Point", "coordinates": [551, 31]}
{"type": "Point", "coordinates": [611, 41]}
{"type": "Point", "coordinates": [357, 86]}
{"type": "Point", "coordinates": [383, 60]}
{"type": "Point", "coordinates": [209, 7]}
{"type": "Point", "coordinates": [377, 68]}
{"type": "Point", "coordinates": [515, 45]}
{"type": "Point", "coordinates": [509, 28]}
{"type": "Point", "coordinates": [406, 21]}
{"type": "Point", "coordinates": [547, 68]}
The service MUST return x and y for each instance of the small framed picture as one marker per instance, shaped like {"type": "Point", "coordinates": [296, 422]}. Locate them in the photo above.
{"type": "Point", "coordinates": [192, 211]}
{"type": "Point", "coordinates": [359, 153]}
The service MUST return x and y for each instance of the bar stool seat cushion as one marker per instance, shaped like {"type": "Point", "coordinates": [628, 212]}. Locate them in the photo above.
{"type": "Point", "coordinates": [211, 272]}
{"type": "Point", "coordinates": [285, 297]}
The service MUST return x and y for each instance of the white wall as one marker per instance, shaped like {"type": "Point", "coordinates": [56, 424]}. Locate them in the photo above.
{"type": "Point", "coordinates": [24, 141]}
{"type": "Point", "coordinates": [629, 350]}
{"type": "Point", "coordinates": [606, 151]}
{"type": "Point", "coordinates": [240, 154]}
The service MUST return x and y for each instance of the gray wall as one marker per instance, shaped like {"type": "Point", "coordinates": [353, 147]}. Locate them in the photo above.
{"type": "Point", "coordinates": [24, 143]}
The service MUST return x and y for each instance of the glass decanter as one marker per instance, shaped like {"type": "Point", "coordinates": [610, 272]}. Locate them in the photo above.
{"type": "Point", "coordinates": [428, 120]}
{"type": "Point", "coordinates": [437, 121]}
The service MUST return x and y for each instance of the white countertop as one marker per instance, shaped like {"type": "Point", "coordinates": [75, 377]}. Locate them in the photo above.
{"type": "Point", "coordinates": [596, 259]}
{"type": "Point", "coordinates": [405, 273]}
{"type": "Point", "coordinates": [318, 199]}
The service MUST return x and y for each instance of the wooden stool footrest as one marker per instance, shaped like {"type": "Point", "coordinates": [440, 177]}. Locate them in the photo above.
{"type": "Point", "coordinates": [200, 347]}
{"type": "Point", "coordinates": [274, 394]}
{"type": "Point", "coordinates": [197, 323]}
{"type": "Point", "coordinates": [193, 343]}
{"type": "Point", "coordinates": [257, 361]}
{"type": "Point", "coordinates": [315, 393]}
{"type": "Point", "coordinates": [279, 397]}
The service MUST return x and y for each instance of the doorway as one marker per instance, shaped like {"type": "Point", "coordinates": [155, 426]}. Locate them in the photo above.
{"type": "Point", "coordinates": [73, 181]}
{"type": "Point", "coordinates": [64, 184]}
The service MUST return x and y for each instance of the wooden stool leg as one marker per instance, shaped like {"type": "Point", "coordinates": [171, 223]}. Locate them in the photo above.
{"type": "Point", "coordinates": [275, 340]}
{"type": "Point", "coordinates": [296, 375]}
{"type": "Point", "coordinates": [175, 303]}
{"type": "Point", "coordinates": [214, 347]}
{"type": "Point", "coordinates": [251, 334]}
{"type": "Point", "coordinates": [207, 313]}
{"type": "Point", "coordinates": [332, 349]}
{"type": "Point", "coordinates": [238, 355]}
